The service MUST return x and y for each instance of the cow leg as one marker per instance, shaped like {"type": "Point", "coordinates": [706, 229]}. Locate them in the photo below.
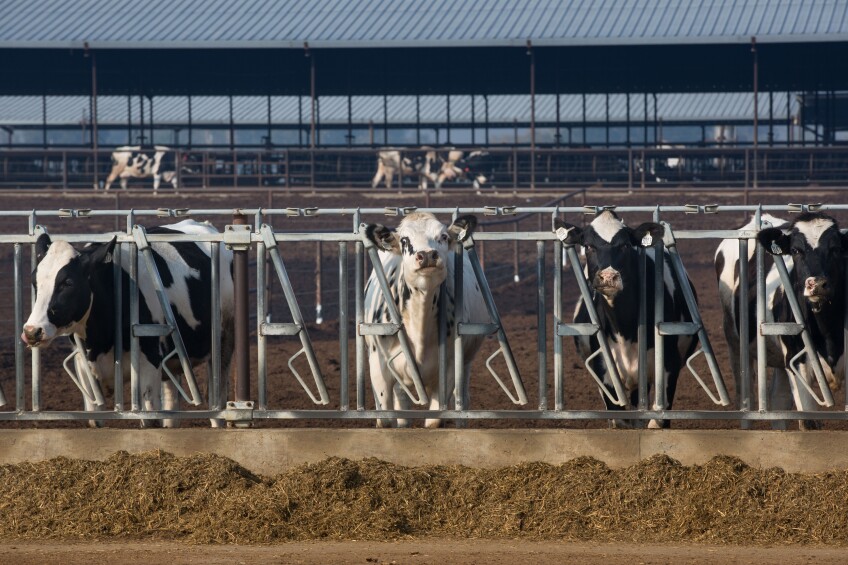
{"type": "Point", "coordinates": [170, 401]}
{"type": "Point", "coordinates": [150, 390]}
{"type": "Point", "coordinates": [401, 402]}
{"type": "Point", "coordinates": [124, 183]}
{"type": "Point", "coordinates": [381, 173]}
{"type": "Point", "coordinates": [381, 384]}
{"type": "Point", "coordinates": [390, 175]}
{"type": "Point", "coordinates": [780, 396]}
{"type": "Point", "coordinates": [227, 348]}
{"type": "Point", "coordinates": [157, 179]}
{"type": "Point", "coordinates": [111, 178]}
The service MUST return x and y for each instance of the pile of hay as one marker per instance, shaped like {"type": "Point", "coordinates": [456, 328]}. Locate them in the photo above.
{"type": "Point", "coordinates": [210, 499]}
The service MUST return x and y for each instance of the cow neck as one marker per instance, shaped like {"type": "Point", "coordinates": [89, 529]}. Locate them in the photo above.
{"type": "Point", "coordinates": [419, 312]}
{"type": "Point", "coordinates": [826, 328]}
{"type": "Point", "coordinates": [99, 333]}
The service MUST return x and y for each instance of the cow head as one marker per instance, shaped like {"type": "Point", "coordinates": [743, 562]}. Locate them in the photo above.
{"type": "Point", "coordinates": [478, 167]}
{"type": "Point", "coordinates": [611, 250]}
{"type": "Point", "coordinates": [63, 293]}
{"type": "Point", "coordinates": [423, 242]}
{"type": "Point", "coordinates": [817, 248]}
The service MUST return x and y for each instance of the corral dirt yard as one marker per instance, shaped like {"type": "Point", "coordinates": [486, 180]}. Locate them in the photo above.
{"type": "Point", "coordinates": [419, 552]}
{"type": "Point", "coordinates": [657, 512]}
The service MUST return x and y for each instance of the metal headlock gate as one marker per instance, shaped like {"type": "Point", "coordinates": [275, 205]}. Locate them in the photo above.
{"type": "Point", "coordinates": [271, 244]}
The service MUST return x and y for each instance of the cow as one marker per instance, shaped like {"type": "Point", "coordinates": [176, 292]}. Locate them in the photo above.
{"type": "Point", "coordinates": [612, 266]}
{"type": "Point", "coordinates": [75, 297]}
{"type": "Point", "coordinates": [478, 167]}
{"type": "Point", "coordinates": [427, 164]}
{"type": "Point", "coordinates": [416, 259]}
{"type": "Point", "coordinates": [389, 162]}
{"type": "Point", "coordinates": [815, 250]}
{"type": "Point", "coordinates": [133, 162]}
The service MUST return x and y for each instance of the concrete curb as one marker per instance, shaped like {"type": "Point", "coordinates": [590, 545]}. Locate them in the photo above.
{"type": "Point", "coordinates": [271, 451]}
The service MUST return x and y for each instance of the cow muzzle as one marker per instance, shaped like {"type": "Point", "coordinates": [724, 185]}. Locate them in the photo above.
{"type": "Point", "coordinates": [608, 282]}
{"type": "Point", "coordinates": [427, 259]}
{"type": "Point", "coordinates": [33, 336]}
{"type": "Point", "coordinates": [818, 292]}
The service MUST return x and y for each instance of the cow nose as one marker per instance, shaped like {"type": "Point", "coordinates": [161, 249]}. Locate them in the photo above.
{"type": "Point", "coordinates": [33, 334]}
{"type": "Point", "coordinates": [426, 258]}
{"type": "Point", "coordinates": [608, 277]}
{"type": "Point", "coordinates": [816, 283]}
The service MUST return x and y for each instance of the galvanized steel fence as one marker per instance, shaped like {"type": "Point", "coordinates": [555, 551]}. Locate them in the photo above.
{"type": "Point", "coordinates": [273, 234]}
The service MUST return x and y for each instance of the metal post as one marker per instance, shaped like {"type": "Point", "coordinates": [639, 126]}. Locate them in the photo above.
{"type": "Point", "coordinates": [94, 140]}
{"type": "Point", "coordinates": [541, 319]}
{"type": "Point", "coordinates": [762, 377]}
{"type": "Point", "coordinates": [20, 384]}
{"type": "Point", "coordinates": [117, 285]}
{"type": "Point", "coordinates": [642, 331]}
{"type": "Point", "coordinates": [743, 394]}
{"type": "Point", "coordinates": [532, 55]}
{"type": "Point", "coordinates": [756, 108]}
{"type": "Point", "coordinates": [261, 318]}
{"type": "Point", "coordinates": [36, 353]}
{"type": "Point", "coordinates": [215, 378]}
{"type": "Point", "coordinates": [311, 95]}
{"type": "Point", "coordinates": [359, 296]}
{"type": "Point", "coordinates": [558, 359]}
{"type": "Point", "coordinates": [319, 256]}
{"type": "Point", "coordinates": [344, 395]}
{"type": "Point", "coordinates": [190, 126]}
{"type": "Point", "coordinates": [660, 398]}
{"type": "Point", "coordinates": [242, 318]}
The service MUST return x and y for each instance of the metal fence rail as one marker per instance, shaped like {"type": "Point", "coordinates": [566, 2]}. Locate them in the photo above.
{"type": "Point", "coordinates": [270, 245]}
{"type": "Point", "coordinates": [509, 168]}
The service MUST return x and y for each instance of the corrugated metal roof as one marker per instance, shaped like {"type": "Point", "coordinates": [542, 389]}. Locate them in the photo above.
{"type": "Point", "coordinates": [413, 23]}
{"type": "Point", "coordinates": [253, 110]}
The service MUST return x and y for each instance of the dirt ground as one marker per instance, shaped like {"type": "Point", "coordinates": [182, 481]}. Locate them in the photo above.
{"type": "Point", "coordinates": [419, 552]}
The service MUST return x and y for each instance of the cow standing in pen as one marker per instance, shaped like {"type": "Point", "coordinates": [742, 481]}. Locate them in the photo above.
{"type": "Point", "coordinates": [75, 295]}
{"type": "Point", "coordinates": [132, 162]}
{"type": "Point", "coordinates": [612, 266]}
{"type": "Point", "coordinates": [814, 249]}
{"type": "Point", "coordinates": [416, 259]}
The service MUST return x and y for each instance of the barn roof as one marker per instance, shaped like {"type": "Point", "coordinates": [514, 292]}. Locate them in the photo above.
{"type": "Point", "coordinates": [213, 24]}
{"type": "Point", "coordinates": [711, 107]}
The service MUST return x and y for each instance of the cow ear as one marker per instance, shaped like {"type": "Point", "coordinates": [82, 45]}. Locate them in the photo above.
{"type": "Point", "coordinates": [101, 253]}
{"type": "Point", "coordinates": [647, 234]}
{"type": "Point", "coordinates": [384, 238]}
{"type": "Point", "coordinates": [774, 241]}
{"type": "Point", "coordinates": [462, 228]}
{"type": "Point", "coordinates": [42, 244]}
{"type": "Point", "coordinates": [568, 233]}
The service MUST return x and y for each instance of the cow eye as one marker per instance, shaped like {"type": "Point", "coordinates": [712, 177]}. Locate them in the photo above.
{"type": "Point", "coordinates": [404, 241]}
{"type": "Point", "coordinates": [443, 237]}
{"type": "Point", "coordinates": [68, 283]}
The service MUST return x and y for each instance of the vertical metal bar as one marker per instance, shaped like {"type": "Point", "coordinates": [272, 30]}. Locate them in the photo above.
{"type": "Point", "coordinates": [756, 109]}
{"type": "Point", "coordinates": [541, 313]}
{"type": "Point", "coordinates": [359, 296]}
{"type": "Point", "coordinates": [242, 318]}
{"type": "Point", "coordinates": [627, 119]}
{"type": "Point", "coordinates": [532, 54]}
{"type": "Point", "coordinates": [261, 318]}
{"type": "Point", "coordinates": [515, 275]}
{"type": "Point", "coordinates": [319, 288]}
{"type": "Point", "coordinates": [190, 124]}
{"type": "Point", "coordinates": [418, 119]}
{"type": "Point", "coordinates": [486, 105]}
{"type": "Point", "coordinates": [129, 119]}
{"type": "Point", "coordinates": [94, 139]}
{"type": "Point", "coordinates": [20, 384]}
{"type": "Point", "coordinates": [771, 119]}
{"type": "Point", "coordinates": [583, 108]}
{"type": "Point", "coordinates": [44, 121]}
{"type": "Point", "coordinates": [642, 332]}
{"type": "Point", "coordinates": [214, 387]}
{"type": "Point", "coordinates": [135, 349]}
{"type": "Point", "coordinates": [845, 333]}
{"type": "Point", "coordinates": [744, 384]}
{"type": "Point", "coordinates": [473, 122]}
{"type": "Point", "coordinates": [117, 285]}
{"type": "Point", "coordinates": [558, 358]}
{"type": "Point", "coordinates": [459, 305]}
{"type": "Point", "coordinates": [385, 119]}
{"type": "Point", "coordinates": [607, 119]}
{"type": "Point", "coordinates": [762, 377]}
{"type": "Point", "coordinates": [312, 137]}
{"type": "Point", "coordinates": [344, 322]}
{"type": "Point", "coordinates": [447, 119]}
{"type": "Point", "coordinates": [36, 353]}
{"type": "Point", "coordinates": [660, 398]}
{"type": "Point", "coordinates": [443, 347]}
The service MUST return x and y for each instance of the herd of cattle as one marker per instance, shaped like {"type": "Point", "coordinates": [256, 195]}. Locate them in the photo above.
{"type": "Point", "coordinates": [424, 165]}
{"type": "Point", "coordinates": [75, 296]}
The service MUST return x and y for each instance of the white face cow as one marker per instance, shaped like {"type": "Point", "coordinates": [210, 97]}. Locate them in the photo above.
{"type": "Point", "coordinates": [417, 259]}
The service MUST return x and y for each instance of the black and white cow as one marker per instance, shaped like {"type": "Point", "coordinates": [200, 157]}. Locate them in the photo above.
{"type": "Point", "coordinates": [426, 164]}
{"type": "Point", "coordinates": [132, 162]}
{"type": "Point", "coordinates": [75, 296]}
{"type": "Point", "coordinates": [612, 266]}
{"type": "Point", "coordinates": [814, 250]}
{"type": "Point", "coordinates": [417, 258]}
{"type": "Point", "coordinates": [478, 167]}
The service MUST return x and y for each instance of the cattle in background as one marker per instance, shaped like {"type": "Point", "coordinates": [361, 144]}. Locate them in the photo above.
{"type": "Point", "coordinates": [815, 251]}
{"type": "Point", "coordinates": [132, 162]}
{"type": "Point", "coordinates": [75, 296]}
{"type": "Point", "coordinates": [478, 167]}
{"type": "Point", "coordinates": [413, 164]}
{"type": "Point", "coordinates": [416, 259]}
{"type": "Point", "coordinates": [426, 164]}
{"type": "Point", "coordinates": [612, 266]}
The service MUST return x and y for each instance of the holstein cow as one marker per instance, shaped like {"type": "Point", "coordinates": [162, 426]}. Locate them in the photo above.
{"type": "Point", "coordinates": [612, 266]}
{"type": "Point", "coordinates": [815, 251]}
{"type": "Point", "coordinates": [75, 296]}
{"type": "Point", "coordinates": [413, 164]}
{"type": "Point", "coordinates": [417, 258]}
{"type": "Point", "coordinates": [131, 162]}
{"type": "Point", "coordinates": [478, 167]}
